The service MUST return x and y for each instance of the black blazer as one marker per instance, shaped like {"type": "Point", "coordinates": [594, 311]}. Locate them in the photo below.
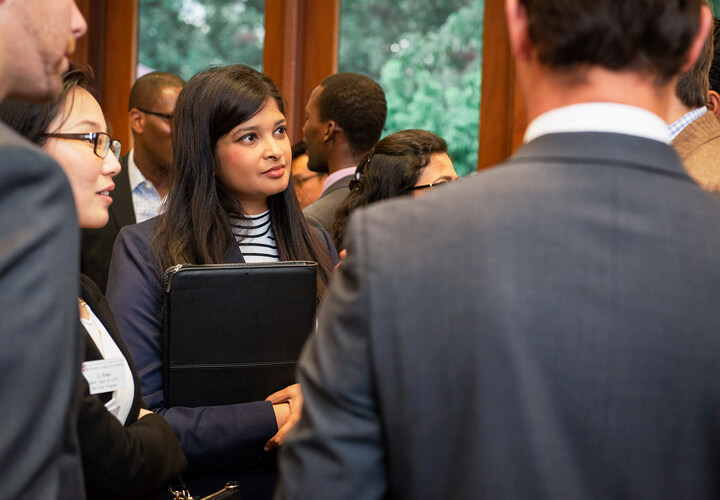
{"type": "Point", "coordinates": [122, 461]}
{"type": "Point", "coordinates": [97, 244]}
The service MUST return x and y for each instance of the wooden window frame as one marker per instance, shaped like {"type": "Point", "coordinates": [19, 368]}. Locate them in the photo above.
{"type": "Point", "coordinates": [301, 48]}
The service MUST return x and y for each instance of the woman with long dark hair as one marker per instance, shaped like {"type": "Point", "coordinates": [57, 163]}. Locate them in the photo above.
{"type": "Point", "coordinates": [127, 450]}
{"type": "Point", "coordinates": [230, 201]}
{"type": "Point", "coordinates": [407, 162]}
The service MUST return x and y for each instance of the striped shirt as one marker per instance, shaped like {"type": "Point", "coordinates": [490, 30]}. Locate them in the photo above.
{"type": "Point", "coordinates": [256, 238]}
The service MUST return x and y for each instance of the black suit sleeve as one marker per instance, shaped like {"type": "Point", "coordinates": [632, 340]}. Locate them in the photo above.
{"type": "Point", "coordinates": [125, 462]}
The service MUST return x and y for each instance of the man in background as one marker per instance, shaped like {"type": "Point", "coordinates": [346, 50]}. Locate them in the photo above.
{"type": "Point", "coordinates": [695, 130]}
{"type": "Point", "coordinates": [40, 341]}
{"type": "Point", "coordinates": [144, 181]}
{"type": "Point", "coordinates": [344, 118]}
{"type": "Point", "coordinates": [713, 103]}
{"type": "Point", "coordinates": [308, 184]}
{"type": "Point", "coordinates": [545, 329]}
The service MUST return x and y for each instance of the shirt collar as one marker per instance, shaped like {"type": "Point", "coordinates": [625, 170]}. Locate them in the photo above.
{"type": "Point", "coordinates": [600, 117]}
{"type": "Point", "coordinates": [134, 175]}
{"type": "Point", "coordinates": [679, 125]}
{"type": "Point", "coordinates": [336, 176]}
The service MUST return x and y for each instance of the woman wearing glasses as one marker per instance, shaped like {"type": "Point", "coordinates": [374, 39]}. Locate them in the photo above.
{"type": "Point", "coordinates": [127, 451]}
{"type": "Point", "coordinates": [407, 162]}
{"type": "Point", "coordinates": [231, 200]}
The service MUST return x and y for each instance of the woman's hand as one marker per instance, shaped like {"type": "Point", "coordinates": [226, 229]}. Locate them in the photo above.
{"type": "Point", "coordinates": [342, 255]}
{"type": "Point", "coordinates": [287, 405]}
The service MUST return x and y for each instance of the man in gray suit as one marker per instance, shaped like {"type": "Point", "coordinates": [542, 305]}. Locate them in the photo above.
{"type": "Point", "coordinates": [40, 343]}
{"type": "Point", "coordinates": [344, 118]}
{"type": "Point", "coordinates": [547, 329]}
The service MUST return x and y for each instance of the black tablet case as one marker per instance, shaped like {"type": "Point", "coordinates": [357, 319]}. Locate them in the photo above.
{"type": "Point", "coordinates": [232, 333]}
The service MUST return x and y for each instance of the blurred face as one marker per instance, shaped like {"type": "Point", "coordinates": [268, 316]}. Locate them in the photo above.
{"type": "Point", "coordinates": [44, 34]}
{"type": "Point", "coordinates": [308, 185]}
{"type": "Point", "coordinates": [153, 134]}
{"type": "Point", "coordinates": [440, 169]}
{"type": "Point", "coordinates": [255, 158]}
{"type": "Point", "coordinates": [313, 134]}
{"type": "Point", "coordinates": [90, 176]}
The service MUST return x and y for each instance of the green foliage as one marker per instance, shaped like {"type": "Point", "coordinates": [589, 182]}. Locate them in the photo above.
{"type": "Point", "coordinates": [425, 53]}
{"type": "Point", "coordinates": [427, 57]}
{"type": "Point", "coordinates": [185, 36]}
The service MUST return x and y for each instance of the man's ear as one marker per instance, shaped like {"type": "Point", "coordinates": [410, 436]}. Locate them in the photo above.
{"type": "Point", "coordinates": [330, 128]}
{"type": "Point", "coordinates": [713, 103]}
{"type": "Point", "coordinates": [706, 22]}
{"type": "Point", "coordinates": [518, 30]}
{"type": "Point", "coordinates": [137, 120]}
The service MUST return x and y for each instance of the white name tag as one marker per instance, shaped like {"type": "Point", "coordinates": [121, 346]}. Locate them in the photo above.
{"type": "Point", "coordinates": [104, 375]}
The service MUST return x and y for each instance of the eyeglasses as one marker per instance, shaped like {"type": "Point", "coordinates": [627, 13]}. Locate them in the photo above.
{"type": "Point", "coordinates": [299, 181]}
{"type": "Point", "coordinates": [101, 141]}
{"type": "Point", "coordinates": [426, 186]}
{"type": "Point", "coordinates": [167, 116]}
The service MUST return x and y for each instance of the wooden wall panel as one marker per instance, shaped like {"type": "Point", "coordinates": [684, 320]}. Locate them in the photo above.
{"type": "Point", "coordinates": [118, 72]}
{"type": "Point", "coordinates": [110, 48]}
{"type": "Point", "coordinates": [301, 46]}
{"type": "Point", "coordinates": [502, 112]}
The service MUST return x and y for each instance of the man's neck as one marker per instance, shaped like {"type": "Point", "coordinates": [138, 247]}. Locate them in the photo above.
{"type": "Point", "coordinates": [341, 157]}
{"type": "Point", "coordinates": [546, 90]}
{"type": "Point", "coordinates": [677, 110]}
{"type": "Point", "coordinates": [159, 177]}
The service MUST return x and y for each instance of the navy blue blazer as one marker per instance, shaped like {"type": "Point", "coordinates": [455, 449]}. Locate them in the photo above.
{"type": "Point", "coordinates": [213, 438]}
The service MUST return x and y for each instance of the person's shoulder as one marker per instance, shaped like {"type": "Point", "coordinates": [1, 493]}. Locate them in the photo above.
{"type": "Point", "coordinates": [140, 231]}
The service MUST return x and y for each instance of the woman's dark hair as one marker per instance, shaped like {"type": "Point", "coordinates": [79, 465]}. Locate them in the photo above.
{"type": "Point", "coordinates": [32, 120]}
{"type": "Point", "coordinates": [196, 226]}
{"type": "Point", "coordinates": [389, 169]}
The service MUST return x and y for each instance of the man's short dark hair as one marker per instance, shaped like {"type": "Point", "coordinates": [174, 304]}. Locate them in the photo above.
{"type": "Point", "coordinates": [692, 87]}
{"type": "Point", "coordinates": [714, 77]}
{"type": "Point", "coordinates": [651, 36]}
{"type": "Point", "coordinates": [357, 104]}
{"type": "Point", "coordinates": [146, 88]}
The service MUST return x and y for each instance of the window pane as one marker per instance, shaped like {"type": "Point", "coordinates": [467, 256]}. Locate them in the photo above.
{"type": "Point", "coordinates": [427, 55]}
{"type": "Point", "coordinates": [185, 36]}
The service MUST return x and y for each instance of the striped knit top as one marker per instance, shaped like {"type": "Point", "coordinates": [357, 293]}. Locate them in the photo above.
{"type": "Point", "coordinates": [256, 239]}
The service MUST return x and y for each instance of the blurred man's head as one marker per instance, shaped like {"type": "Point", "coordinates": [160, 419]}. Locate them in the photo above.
{"type": "Point", "coordinates": [37, 38]}
{"type": "Point", "coordinates": [151, 106]}
{"type": "Point", "coordinates": [652, 38]}
{"type": "Point", "coordinates": [604, 50]}
{"type": "Point", "coordinates": [350, 105]}
{"type": "Point", "coordinates": [714, 74]}
{"type": "Point", "coordinates": [693, 85]}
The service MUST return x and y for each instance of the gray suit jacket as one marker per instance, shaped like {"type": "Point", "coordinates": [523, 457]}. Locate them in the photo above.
{"type": "Point", "coordinates": [40, 342]}
{"type": "Point", "coordinates": [321, 212]}
{"type": "Point", "coordinates": [546, 329]}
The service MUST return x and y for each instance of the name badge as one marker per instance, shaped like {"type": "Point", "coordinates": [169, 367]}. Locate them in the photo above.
{"type": "Point", "coordinates": [104, 375]}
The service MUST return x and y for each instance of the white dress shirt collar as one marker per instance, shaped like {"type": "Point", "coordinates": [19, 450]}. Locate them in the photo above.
{"type": "Point", "coordinates": [600, 117]}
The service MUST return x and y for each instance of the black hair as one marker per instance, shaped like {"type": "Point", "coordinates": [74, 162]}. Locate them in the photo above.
{"type": "Point", "coordinates": [388, 170]}
{"type": "Point", "coordinates": [357, 104]}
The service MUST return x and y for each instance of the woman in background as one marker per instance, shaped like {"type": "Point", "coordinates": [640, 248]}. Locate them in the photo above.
{"type": "Point", "coordinates": [407, 162]}
{"type": "Point", "coordinates": [127, 450]}
{"type": "Point", "coordinates": [230, 201]}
